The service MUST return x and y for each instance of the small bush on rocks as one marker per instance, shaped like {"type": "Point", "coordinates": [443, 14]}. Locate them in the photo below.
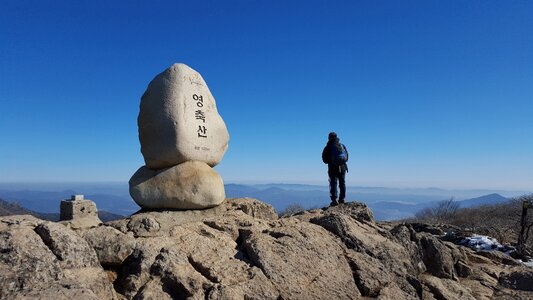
{"type": "Point", "coordinates": [501, 221]}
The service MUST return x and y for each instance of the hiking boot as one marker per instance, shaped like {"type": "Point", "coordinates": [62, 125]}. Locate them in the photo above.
{"type": "Point", "coordinates": [333, 203]}
{"type": "Point", "coordinates": [341, 201]}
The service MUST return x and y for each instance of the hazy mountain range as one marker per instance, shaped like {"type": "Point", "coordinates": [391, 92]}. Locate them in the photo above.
{"type": "Point", "coordinates": [10, 208]}
{"type": "Point", "coordinates": [386, 203]}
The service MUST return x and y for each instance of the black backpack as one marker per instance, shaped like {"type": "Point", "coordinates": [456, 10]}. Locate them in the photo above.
{"type": "Point", "coordinates": [338, 157]}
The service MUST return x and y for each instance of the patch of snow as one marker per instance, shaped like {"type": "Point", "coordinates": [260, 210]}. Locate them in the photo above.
{"type": "Point", "coordinates": [486, 243]}
{"type": "Point", "coordinates": [481, 242]}
{"type": "Point", "coordinates": [528, 263]}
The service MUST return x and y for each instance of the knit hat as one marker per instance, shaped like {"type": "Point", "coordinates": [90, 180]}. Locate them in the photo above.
{"type": "Point", "coordinates": [332, 136]}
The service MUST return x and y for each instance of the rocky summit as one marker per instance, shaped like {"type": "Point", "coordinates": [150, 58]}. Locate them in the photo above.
{"type": "Point", "coordinates": [182, 136]}
{"type": "Point", "coordinates": [242, 250]}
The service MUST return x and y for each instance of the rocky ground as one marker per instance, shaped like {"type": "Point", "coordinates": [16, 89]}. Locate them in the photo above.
{"type": "Point", "coordinates": [242, 250]}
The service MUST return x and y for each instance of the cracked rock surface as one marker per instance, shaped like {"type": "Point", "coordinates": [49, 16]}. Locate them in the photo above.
{"type": "Point", "coordinates": [40, 259]}
{"type": "Point", "coordinates": [241, 250]}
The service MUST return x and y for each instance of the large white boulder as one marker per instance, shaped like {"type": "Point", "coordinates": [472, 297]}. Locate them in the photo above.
{"type": "Point", "coordinates": [178, 120]}
{"type": "Point", "coordinates": [190, 185]}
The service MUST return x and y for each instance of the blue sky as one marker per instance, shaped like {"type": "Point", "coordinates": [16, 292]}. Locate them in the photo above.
{"type": "Point", "coordinates": [423, 93]}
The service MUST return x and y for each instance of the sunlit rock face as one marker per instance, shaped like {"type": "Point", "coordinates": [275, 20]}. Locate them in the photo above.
{"type": "Point", "coordinates": [178, 120]}
{"type": "Point", "coordinates": [182, 137]}
{"type": "Point", "coordinates": [190, 185]}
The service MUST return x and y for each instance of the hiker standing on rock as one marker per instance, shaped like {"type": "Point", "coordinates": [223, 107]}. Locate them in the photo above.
{"type": "Point", "coordinates": [336, 156]}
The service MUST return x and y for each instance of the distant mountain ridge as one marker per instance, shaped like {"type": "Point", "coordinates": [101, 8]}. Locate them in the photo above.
{"type": "Point", "coordinates": [391, 210]}
{"type": "Point", "coordinates": [483, 200]}
{"type": "Point", "coordinates": [386, 203]}
{"type": "Point", "coordinates": [10, 209]}
{"type": "Point", "coordinates": [48, 201]}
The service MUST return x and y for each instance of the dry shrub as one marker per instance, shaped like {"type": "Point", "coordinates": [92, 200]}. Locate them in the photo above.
{"type": "Point", "coordinates": [440, 213]}
{"type": "Point", "coordinates": [501, 221]}
{"type": "Point", "coordinates": [291, 210]}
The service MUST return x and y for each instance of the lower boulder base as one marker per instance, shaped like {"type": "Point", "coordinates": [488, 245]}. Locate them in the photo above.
{"type": "Point", "coordinates": [190, 185]}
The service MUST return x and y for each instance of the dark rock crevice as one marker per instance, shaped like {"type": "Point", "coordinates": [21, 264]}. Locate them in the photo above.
{"type": "Point", "coordinates": [246, 254]}
{"type": "Point", "coordinates": [517, 280]}
{"type": "Point", "coordinates": [357, 279]}
{"type": "Point", "coordinates": [243, 251]}
{"type": "Point", "coordinates": [171, 283]}
{"type": "Point", "coordinates": [204, 271]}
{"type": "Point", "coordinates": [277, 235]}
{"type": "Point", "coordinates": [214, 225]}
{"type": "Point", "coordinates": [131, 267]}
{"type": "Point", "coordinates": [174, 289]}
{"type": "Point", "coordinates": [48, 242]}
{"type": "Point", "coordinates": [415, 283]}
{"type": "Point", "coordinates": [437, 294]}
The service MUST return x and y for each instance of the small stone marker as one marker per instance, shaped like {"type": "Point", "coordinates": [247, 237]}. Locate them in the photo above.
{"type": "Point", "coordinates": [79, 212]}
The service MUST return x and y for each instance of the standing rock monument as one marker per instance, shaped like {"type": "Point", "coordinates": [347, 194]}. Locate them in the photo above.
{"type": "Point", "coordinates": [182, 136]}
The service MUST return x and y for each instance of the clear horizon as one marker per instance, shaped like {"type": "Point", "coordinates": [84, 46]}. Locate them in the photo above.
{"type": "Point", "coordinates": [51, 184]}
{"type": "Point", "coordinates": [423, 94]}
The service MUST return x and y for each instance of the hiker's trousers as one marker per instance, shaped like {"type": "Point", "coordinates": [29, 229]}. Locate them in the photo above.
{"type": "Point", "coordinates": [337, 174]}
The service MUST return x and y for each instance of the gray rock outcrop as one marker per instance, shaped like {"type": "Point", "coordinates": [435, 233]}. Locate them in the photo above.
{"type": "Point", "coordinates": [46, 260]}
{"type": "Point", "coordinates": [242, 250]}
{"type": "Point", "coordinates": [519, 280]}
{"type": "Point", "coordinates": [112, 247]}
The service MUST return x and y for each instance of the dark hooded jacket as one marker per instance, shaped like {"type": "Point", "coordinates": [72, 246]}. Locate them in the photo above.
{"type": "Point", "coordinates": [326, 153]}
